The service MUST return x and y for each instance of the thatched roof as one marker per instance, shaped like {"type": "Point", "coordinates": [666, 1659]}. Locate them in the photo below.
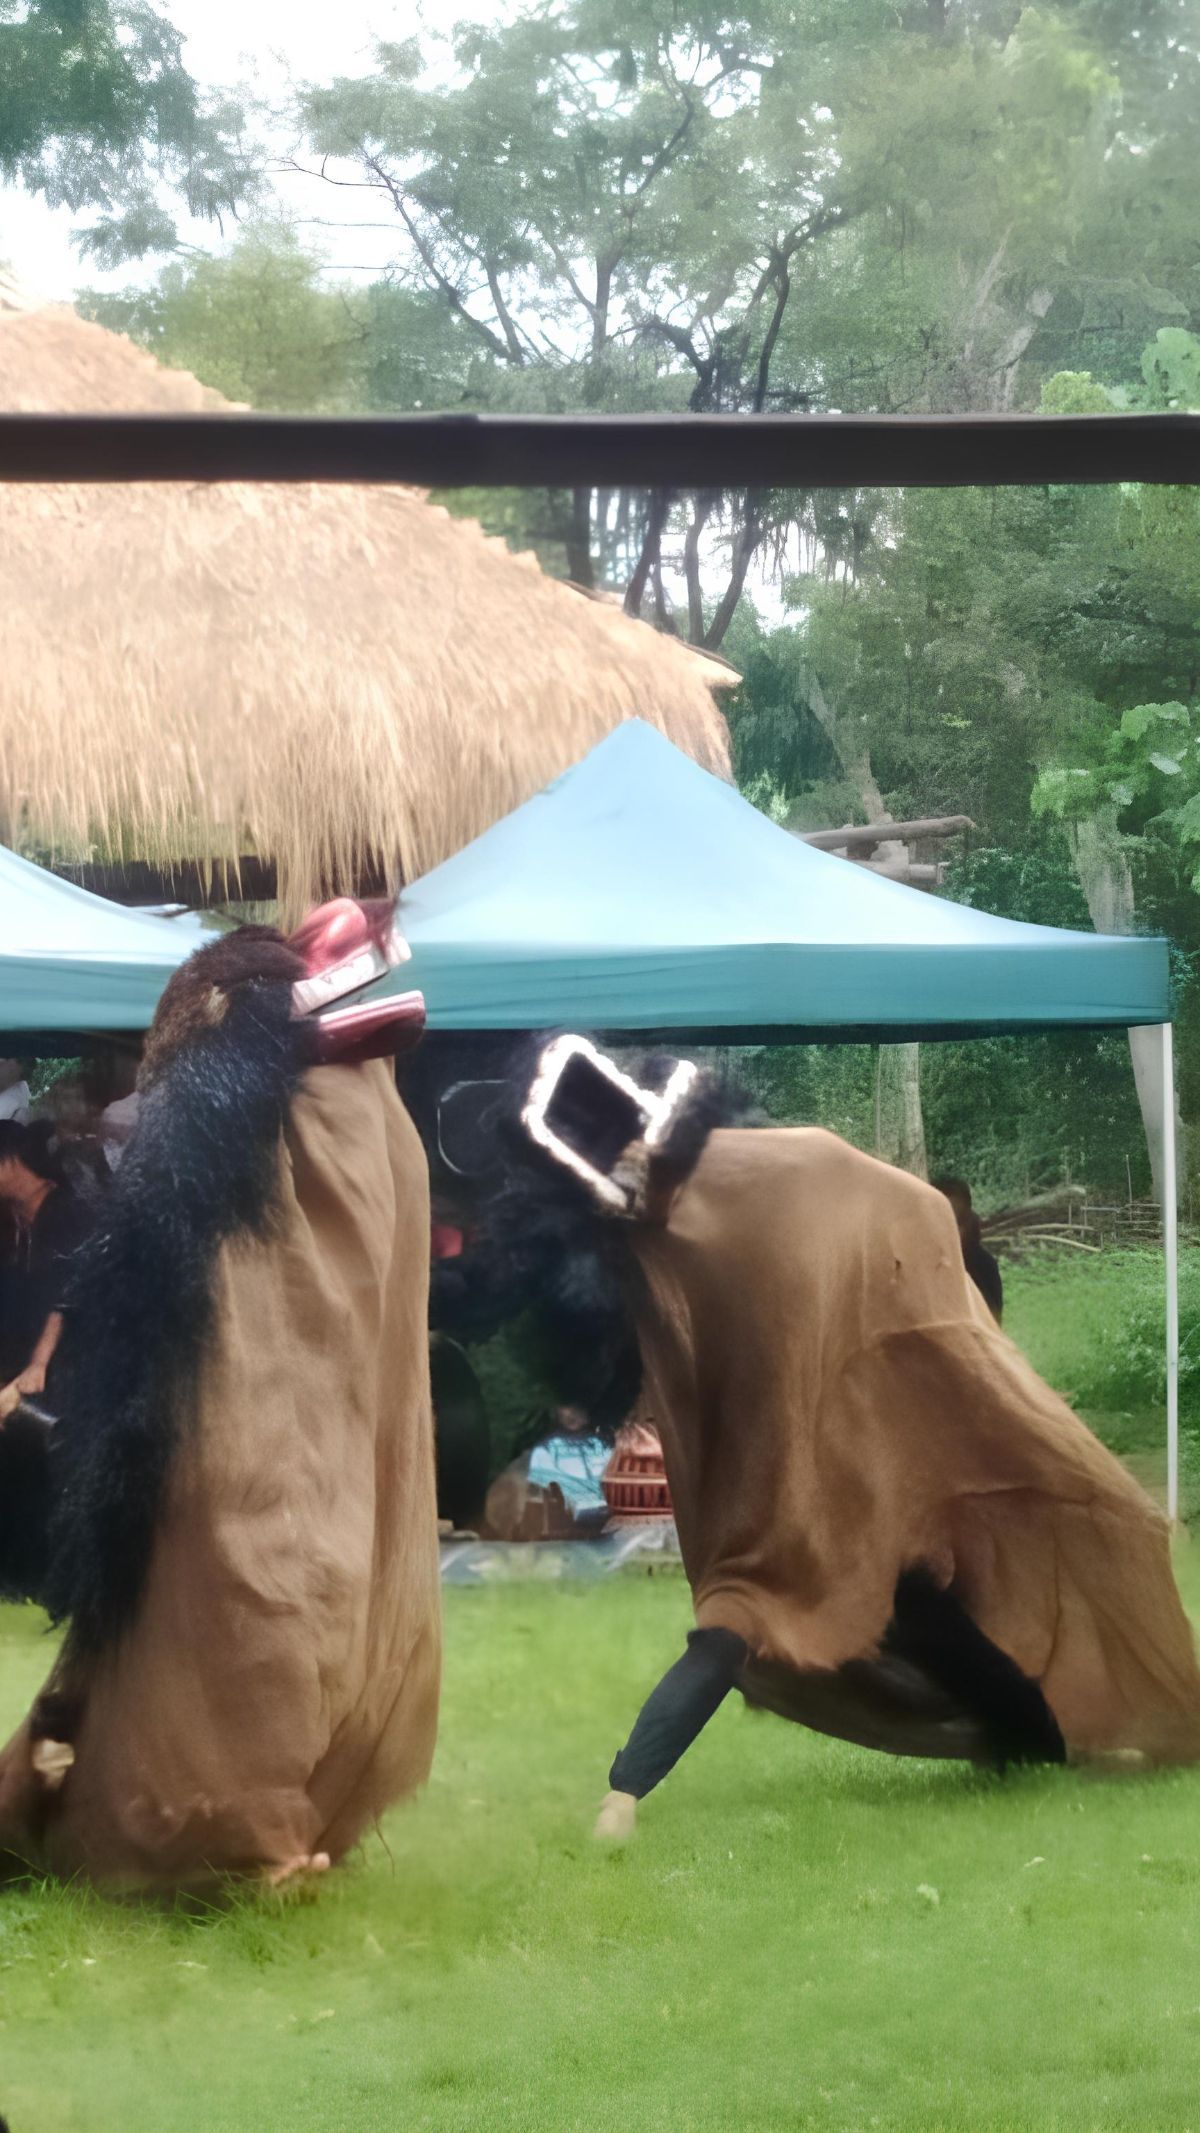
{"type": "Point", "coordinates": [332, 678]}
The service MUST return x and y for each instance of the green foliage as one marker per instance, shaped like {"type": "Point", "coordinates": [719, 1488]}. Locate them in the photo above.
{"type": "Point", "coordinates": [860, 206]}
{"type": "Point", "coordinates": [98, 111]}
{"type": "Point", "coordinates": [256, 324]}
{"type": "Point", "coordinates": [1075, 392]}
{"type": "Point", "coordinates": [776, 737]}
{"type": "Point", "coordinates": [1014, 1115]}
{"type": "Point", "coordinates": [815, 1085]}
{"type": "Point", "coordinates": [520, 1407]}
{"type": "Point", "coordinates": [1147, 773]}
{"type": "Point", "coordinates": [1017, 1115]}
{"type": "Point", "coordinates": [46, 1072]}
{"type": "Point", "coordinates": [1096, 1328]}
{"type": "Point", "coordinates": [415, 353]}
{"type": "Point", "coordinates": [1171, 369]}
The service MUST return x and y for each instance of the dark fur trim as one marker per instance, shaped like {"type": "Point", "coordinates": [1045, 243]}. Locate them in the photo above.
{"type": "Point", "coordinates": [932, 1628]}
{"type": "Point", "coordinates": [545, 1247]}
{"type": "Point", "coordinates": [203, 1163]}
{"type": "Point", "coordinates": [712, 1103]}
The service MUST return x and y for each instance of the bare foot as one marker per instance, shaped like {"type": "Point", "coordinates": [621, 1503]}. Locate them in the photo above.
{"type": "Point", "coordinates": [51, 1761]}
{"type": "Point", "coordinates": [1115, 1762]}
{"type": "Point", "coordinates": [616, 1822]}
{"type": "Point", "coordinates": [301, 1868]}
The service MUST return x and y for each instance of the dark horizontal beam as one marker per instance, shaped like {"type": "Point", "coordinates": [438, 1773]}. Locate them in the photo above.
{"type": "Point", "coordinates": [192, 882]}
{"type": "Point", "coordinates": [640, 451]}
{"type": "Point", "coordinates": [187, 882]}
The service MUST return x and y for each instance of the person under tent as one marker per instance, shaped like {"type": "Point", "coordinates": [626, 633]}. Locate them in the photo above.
{"type": "Point", "coordinates": [14, 1092]}
{"type": "Point", "coordinates": [49, 1225]}
{"type": "Point", "coordinates": [980, 1264]}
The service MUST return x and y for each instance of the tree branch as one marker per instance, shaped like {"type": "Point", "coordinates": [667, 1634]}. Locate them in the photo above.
{"type": "Point", "coordinates": [512, 339]}
{"type": "Point", "coordinates": [425, 253]}
{"type": "Point", "coordinates": [691, 567]}
{"type": "Point", "coordinates": [763, 377]}
{"type": "Point", "coordinates": [659, 162]}
{"type": "Point", "coordinates": [660, 504]}
{"type": "Point", "coordinates": [744, 547]}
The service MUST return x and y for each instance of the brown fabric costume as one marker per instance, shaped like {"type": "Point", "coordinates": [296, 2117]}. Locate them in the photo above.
{"type": "Point", "coordinates": [837, 1406]}
{"type": "Point", "coordinates": [278, 1686]}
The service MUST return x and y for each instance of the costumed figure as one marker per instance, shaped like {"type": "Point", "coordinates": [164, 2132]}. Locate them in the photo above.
{"type": "Point", "coordinates": [894, 1532]}
{"type": "Point", "coordinates": [241, 1536]}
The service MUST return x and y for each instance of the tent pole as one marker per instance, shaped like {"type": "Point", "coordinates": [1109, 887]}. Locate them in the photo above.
{"type": "Point", "coordinates": [1171, 1257]}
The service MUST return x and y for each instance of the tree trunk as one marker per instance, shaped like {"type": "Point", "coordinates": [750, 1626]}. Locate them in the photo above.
{"type": "Point", "coordinates": [1102, 867]}
{"type": "Point", "coordinates": [579, 540]}
{"type": "Point", "coordinates": [635, 591]}
{"type": "Point", "coordinates": [899, 1125]}
{"type": "Point", "coordinates": [899, 1122]}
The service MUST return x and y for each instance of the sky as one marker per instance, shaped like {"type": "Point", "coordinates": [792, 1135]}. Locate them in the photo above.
{"type": "Point", "coordinates": [266, 44]}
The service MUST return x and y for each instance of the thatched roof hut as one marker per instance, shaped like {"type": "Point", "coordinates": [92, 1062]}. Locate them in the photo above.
{"type": "Point", "coordinates": [341, 680]}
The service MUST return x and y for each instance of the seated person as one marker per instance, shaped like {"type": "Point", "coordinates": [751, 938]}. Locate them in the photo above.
{"type": "Point", "coordinates": [14, 1092]}
{"type": "Point", "coordinates": [983, 1269]}
{"type": "Point", "coordinates": [48, 1223]}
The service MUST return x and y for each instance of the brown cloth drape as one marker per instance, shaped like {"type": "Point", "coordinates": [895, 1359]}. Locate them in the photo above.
{"type": "Point", "coordinates": [836, 1406]}
{"type": "Point", "coordinates": [278, 1687]}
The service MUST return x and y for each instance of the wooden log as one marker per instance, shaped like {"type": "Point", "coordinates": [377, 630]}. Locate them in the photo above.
{"type": "Point", "coordinates": [858, 836]}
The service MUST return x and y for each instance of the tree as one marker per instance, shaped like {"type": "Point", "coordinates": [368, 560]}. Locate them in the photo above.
{"type": "Point", "coordinates": [779, 206]}
{"type": "Point", "coordinates": [256, 324]}
{"type": "Point", "coordinates": [98, 111]}
{"type": "Point", "coordinates": [989, 651]}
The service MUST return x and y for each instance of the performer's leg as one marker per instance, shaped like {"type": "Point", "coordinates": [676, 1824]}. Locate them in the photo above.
{"type": "Point", "coordinates": [932, 1628]}
{"type": "Point", "coordinates": [293, 1873]}
{"type": "Point", "coordinates": [669, 1721]}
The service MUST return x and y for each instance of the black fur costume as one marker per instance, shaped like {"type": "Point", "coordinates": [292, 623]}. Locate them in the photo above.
{"type": "Point", "coordinates": [546, 1254]}
{"type": "Point", "coordinates": [216, 1082]}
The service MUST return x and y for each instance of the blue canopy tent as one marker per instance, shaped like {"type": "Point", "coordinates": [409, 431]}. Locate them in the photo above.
{"type": "Point", "coordinates": [638, 893]}
{"type": "Point", "coordinates": [70, 960]}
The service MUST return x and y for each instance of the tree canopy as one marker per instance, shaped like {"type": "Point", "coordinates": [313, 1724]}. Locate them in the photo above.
{"type": "Point", "coordinates": [98, 112]}
{"type": "Point", "coordinates": [846, 205]}
{"type": "Point", "coordinates": [867, 205]}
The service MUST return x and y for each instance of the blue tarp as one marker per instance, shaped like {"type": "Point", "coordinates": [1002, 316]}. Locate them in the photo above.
{"type": "Point", "coordinates": [69, 960]}
{"type": "Point", "coordinates": [638, 892]}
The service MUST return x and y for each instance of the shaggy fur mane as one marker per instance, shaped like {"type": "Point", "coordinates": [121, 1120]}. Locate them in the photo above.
{"type": "Point", "coordinates": [220, 1067]}
{"type": "Point", "coordinates": [547, 1250]}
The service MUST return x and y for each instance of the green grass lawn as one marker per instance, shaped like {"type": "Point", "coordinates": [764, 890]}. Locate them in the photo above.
{"type": "Point", "coordinates": [802, 1935]}
{"type": "Point", "coordinates": [1094, 1327]}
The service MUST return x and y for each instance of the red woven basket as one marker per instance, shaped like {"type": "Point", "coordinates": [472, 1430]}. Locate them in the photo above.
{"type": "Point", "coordinates": [635, 1479]}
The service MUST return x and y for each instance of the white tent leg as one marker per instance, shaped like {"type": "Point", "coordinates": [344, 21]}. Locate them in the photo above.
{"type": "Point", "coordinates": [1171, 1257]}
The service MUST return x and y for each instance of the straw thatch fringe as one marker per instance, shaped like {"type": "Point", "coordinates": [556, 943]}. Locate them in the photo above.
{"type": "Point", "coordinates": [329, 677]}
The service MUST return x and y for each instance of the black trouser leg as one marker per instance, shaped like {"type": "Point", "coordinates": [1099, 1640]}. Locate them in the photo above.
{"type": "Point", "coordinates": [678, 1709]}
{"type": "Point", "coordinates": [933, 1629]}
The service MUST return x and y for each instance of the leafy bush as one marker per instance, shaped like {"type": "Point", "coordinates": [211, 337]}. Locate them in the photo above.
{"type": "Point", "coordinates": [1095, 1329]}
